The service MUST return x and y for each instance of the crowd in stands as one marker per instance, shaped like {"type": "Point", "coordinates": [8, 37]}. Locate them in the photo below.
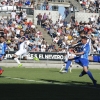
{"type": "Point", "coordinates": [92, 6]}
{"type": "Point", "coordinates": [64, 33]}
{"type": "Point", "coordinates": [18, 3]}
{"type": "Point", "coordinates": [17, 25]}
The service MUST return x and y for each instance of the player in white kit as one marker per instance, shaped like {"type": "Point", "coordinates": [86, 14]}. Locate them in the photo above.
{"type": "Point", "coordinates": [23, 51]}
{"type": "Point", "coordinates": [67, 55]}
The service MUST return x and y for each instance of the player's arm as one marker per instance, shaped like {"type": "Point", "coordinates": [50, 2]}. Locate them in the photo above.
{"type": "Point", "coordinates": [76, 54]}
{"type": "Point", "coordinates": [79, 53]}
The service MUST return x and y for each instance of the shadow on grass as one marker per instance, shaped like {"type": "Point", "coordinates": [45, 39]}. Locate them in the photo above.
{"type": "Point", "coordinates": [67, 83]}
{"type": "Point", "coordinates": [71, 90]}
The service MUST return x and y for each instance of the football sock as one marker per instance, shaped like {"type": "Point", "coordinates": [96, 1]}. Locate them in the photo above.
{"type": "Point", "coordinates": [90, 75]}
{"type": "Point", "coordinates": [71, 68]}
{"type": "Point", "coordinates": [62, 67]}
{"type": "Point", "coordinates": [16, 59]}
{"type": "Point", "coordinates": [82, 73]}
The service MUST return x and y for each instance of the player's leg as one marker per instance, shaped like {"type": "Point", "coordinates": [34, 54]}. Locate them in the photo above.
{"type": "Point", "coordinates": [31, 58]}
{"type": "Point", "coordinates": [67, 65]}
{"type": "Point", "coordinates": [85, 64]}
{"type": "Point", "coordinates": [81, 63]}
{"type": "Point", "coordinates": [16, 56]}
{"type": "Point", "coordinates": [82, 73]}
{"type": "Point", "coordinates": [70, 67]}
{"type": "Point", "coordinates": [35, 58]}
{"type": "Point", "coordinates": [69, 62]}
{"type": "Point", "coordinates": [1, 58]}
{"type": "Point", "coordinates": [65, 62]}
{"type": "Point", "coordinates": [62, 67]}
{"type": "Point", "coordinates": [85, 69]}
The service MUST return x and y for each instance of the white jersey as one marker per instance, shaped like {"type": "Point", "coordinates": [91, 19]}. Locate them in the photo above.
{"type": "Point", "coordinates": [23, 46]}
{"type": "Point", "coordinates": [69, 55]}
{"type": "Point", "coordinates": [89, 41]}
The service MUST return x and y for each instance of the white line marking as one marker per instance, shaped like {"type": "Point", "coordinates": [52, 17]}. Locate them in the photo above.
{"type": "Point", "coordinates": [32, 80]}
{"type": "Point", "coordinates": [58, 83]}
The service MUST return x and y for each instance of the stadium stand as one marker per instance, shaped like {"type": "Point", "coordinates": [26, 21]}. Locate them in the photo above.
{"type": "Point", "coordinates": [61, 31]}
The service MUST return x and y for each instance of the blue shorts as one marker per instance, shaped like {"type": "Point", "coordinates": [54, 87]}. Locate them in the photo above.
{"type": "Point", "coordinates": [96, 58]}
{"type": "Point", "coordinates": [82, 61]}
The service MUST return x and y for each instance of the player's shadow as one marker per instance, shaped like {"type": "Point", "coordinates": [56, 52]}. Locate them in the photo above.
{"type": "Point", "coordinates": [52, 90]}
{"type": "Point", "coordinates": [76, 83]}
{"type": "Point", "coordinates": [37, 91]}
{"type": "Point", "coordinates": [69, 83]}
{"type": "Point", "coordinates": [50, 81]}
{"type": "Point", "coordinates": [2, 76]}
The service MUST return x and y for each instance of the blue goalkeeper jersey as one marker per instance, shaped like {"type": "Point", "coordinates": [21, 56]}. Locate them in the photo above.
{"type": "Point", "coordinates": [3, 48]}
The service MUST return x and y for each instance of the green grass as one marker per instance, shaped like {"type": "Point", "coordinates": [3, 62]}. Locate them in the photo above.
{"type": "Point", "coordinates": [47, 84]}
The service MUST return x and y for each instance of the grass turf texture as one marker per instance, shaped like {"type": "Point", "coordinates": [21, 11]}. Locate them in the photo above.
{"type": "Point", "coordinates": [47, 84]}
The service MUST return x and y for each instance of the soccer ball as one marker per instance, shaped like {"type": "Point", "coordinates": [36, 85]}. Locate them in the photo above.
{"type": "Point", "coordinates": [1, 71]}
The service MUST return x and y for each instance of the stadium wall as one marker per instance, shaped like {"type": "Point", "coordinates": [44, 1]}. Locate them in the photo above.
{"type": "Point", "coordinates": [29, 17]}
{"type": "Point", "coordinates": [84, 17]}
{"type": "Point", "coordinates": [54, 14]}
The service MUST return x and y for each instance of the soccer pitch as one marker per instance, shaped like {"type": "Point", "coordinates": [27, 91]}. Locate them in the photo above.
{"type": "Point", "coordinates": [47, 84]}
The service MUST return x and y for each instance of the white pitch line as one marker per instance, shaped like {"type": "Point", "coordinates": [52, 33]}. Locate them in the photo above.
{"type": "Point", "coordinates": [33, 80]}
{"type": "Point", "coordinates": [58, 83]}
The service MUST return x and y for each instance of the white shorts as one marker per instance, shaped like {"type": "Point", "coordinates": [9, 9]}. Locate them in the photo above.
{"type": "Point", "coordinates": [21, 52]}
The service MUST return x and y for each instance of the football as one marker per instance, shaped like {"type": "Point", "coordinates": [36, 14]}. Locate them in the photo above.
{"type": "Point", "coordinates": [1, 71]}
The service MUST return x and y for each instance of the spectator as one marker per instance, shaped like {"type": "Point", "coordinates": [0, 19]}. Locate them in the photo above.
{"type": "Point", "coordinates": [44, 5]}
{"type": "Point", "coordinates": [13, 14]}
{"type": "Point", "coordinates": [47, 6]}
{"type": "Point", "coordinates": [39, 18]}
{"type": "Point", "coordinates": [38, 5]}
{"type": "Point", "coordinates": [66, 12]}
{"type": "Point", "coordinates": [24, 15]}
